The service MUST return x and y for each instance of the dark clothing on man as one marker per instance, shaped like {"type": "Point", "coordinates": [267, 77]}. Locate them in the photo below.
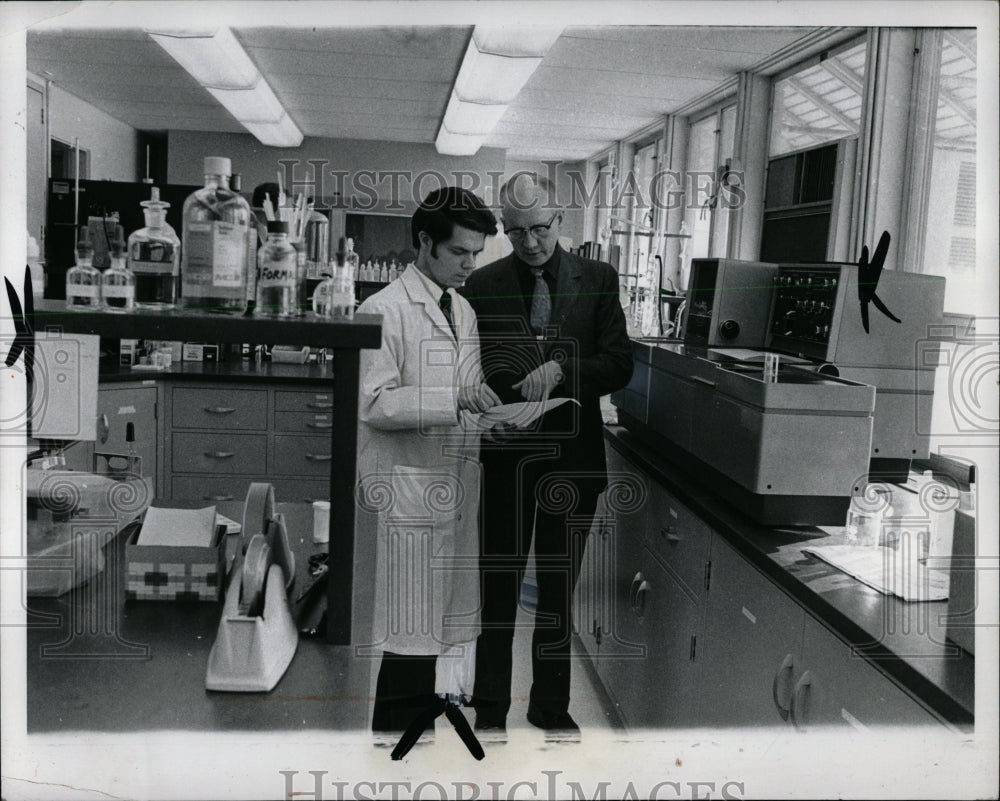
{"type": "Point", "coordinates": [541, 486]}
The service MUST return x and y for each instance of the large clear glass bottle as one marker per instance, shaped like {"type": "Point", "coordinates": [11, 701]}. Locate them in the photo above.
{"type": "Point", "coordinates": [83, 282]}
{"type": "Point", "coordinates": [118, 282]}
{"type": "Point", "coordinates": [154, 255]}
{"type": "Point", "coordinates": [214, 244]}
{"type": "Point", "coordinates": [277, 274]}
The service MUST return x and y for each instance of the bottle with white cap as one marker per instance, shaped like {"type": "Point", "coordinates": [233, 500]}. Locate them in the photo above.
{"type": "Point", "coordinates": [214, 243]}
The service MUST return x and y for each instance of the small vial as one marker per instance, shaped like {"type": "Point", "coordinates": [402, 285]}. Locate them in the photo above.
{"type": "Point", "coordinates": [118, 282]}
{"type": "Point", "coordinates": [83, 282]}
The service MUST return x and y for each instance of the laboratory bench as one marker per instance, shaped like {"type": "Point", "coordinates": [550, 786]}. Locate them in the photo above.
{"type": "Point", "coordinates": [695, 615]}
{"type": "Point", "coordinates": [97, 662]}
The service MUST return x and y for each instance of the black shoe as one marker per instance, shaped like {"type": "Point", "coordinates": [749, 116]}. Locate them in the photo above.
{"type": "Point", "coordinates": [490, 729]}
{"type": "Point", "coordinates": [557, 725]}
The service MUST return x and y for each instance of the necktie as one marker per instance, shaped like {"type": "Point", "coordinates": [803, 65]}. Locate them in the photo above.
{"type": "Point", "coordinates": [541, 302]}
{"type": "Point", "coordinates": [445, 304]}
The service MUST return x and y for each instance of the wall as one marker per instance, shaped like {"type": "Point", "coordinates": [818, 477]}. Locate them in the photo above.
{"type": "Point", "coordinates": [112, 144]}
{"type": "Point", "coordinates": [258, 164]}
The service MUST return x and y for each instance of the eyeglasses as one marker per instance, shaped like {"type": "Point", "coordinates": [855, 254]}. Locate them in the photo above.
{"type": "Point", "coordinates": [537, 231]}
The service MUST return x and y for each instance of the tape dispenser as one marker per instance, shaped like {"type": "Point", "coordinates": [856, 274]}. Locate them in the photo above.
{"type": "Point", "coordinates": [257, 636]}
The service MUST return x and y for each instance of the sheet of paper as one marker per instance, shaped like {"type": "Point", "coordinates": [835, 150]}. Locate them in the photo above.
{"type": "Point", "coordinates": [522, 414]}
{"type": "Point", "coordinates": [177, 526]}
{"type": "Point", "coordinates": [887, 570]}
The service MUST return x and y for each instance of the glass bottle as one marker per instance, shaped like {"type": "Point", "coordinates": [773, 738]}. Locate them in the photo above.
{"type": "Point", "coordinates": [334, 297]}
{"type": "Point", "coordinates": [214, 243]}
{"type": "Point", "coordinates": [83, 282]}
{"type": "Point", "coordinates": [154, 254]}
{"type": "Point", "coordinates": [118, 282]}
{"type": "Point", "coordinates": [277, 274]}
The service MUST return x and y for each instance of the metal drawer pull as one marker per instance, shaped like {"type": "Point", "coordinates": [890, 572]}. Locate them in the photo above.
{"type": "Point", "coordinates": [704, 381]}
{"type": "Point", "coordinates": [220, 409]}
{"type": "Point", "coordinates": [785, 667]}
{"type": "Point", "coordinates": [319, 405]}
{"type": "Point", "coordinates": [667, 532]}
{"type": "Point", "coordinates": [640, 598]}
{"type": "Point", "coordinates": [319, 457]}
{"type": "Point", "coordinates": [633, 589]}
{"type": "Point", "coordinates": [802, 686]}
{"type": "Point", "coordinates": [323, 426]}
{"type": "Point", "coordinates": [216, 497]}
{"type": "Point", "coordinates": [220, 454]}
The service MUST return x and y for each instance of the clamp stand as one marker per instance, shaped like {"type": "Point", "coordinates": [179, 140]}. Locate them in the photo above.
{"type": "Point", "coordinates": [257, 637]}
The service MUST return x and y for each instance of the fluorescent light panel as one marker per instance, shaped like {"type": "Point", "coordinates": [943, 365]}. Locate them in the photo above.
{"type": "Point", "coordinates": [218, 62]}
{"type": "Point", "coordinates": [497, 64]}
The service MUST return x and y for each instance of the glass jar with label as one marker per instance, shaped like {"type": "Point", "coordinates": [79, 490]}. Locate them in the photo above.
{"type": "Point", "coordinates": [154, 255]}
{"type": "Point", "coordinates": [83, 282]}
{"type": "Point", "coordinates": [277, 274]}
{"type": "Point", "coordinates": [214, 244]}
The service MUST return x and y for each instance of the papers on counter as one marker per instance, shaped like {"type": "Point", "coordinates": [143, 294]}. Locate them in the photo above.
{"type": "Point", "coordinates": [177, 527]}
{"type": "Point", "coordinates": [890, 571]}
{"type": "Point", "coordinates": [520, 415]}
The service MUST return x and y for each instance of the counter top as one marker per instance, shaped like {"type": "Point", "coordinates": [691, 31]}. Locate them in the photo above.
{"type": "Point", "coordinates": [154, 654]}
{"type": "Point", "coordinates": [223, 372]}
{"type": "Point", "coordinates": [906, 641]}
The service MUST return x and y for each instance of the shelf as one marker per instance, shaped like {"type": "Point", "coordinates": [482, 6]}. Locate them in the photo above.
{"type": "Point", "coordinates": [183, 325]}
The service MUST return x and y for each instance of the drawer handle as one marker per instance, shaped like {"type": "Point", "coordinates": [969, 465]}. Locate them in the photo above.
{"type": "Point", "coordinates": [220, 409]}
{"type": "Point", "coordinates": [785, 667]}
{"type": "Point", "coordinates": [668, 533]}
{"type": "Point", "coordinates": [319, 405]}
{"type": "Point", "coordinates": [220, 454]}
{"type": "Point", "coordinates": [216, 497]}
{"type": "Point", "coordinates": [704, 381]}
{"type": "Point", "coordinates": [322, 426]}
{"type": "Point", "coordinates": [640, 598]}
{"type": "Point", "coordinates": [796, 708]}
{"type": "Point", "coordinates": [319, 457]}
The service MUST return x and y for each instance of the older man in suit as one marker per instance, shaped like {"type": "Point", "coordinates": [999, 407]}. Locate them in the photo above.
{"type": "Point", "coordinates": [550, 325]}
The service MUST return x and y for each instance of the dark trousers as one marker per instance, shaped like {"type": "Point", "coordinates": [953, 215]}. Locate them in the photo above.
{"type": "Point", "coordinates": [405, 687]}
{"type": "Point", "coordinates": [528, 498]}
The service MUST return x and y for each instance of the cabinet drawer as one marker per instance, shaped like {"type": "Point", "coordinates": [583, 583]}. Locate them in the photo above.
{"type": "Point", "coordinates": [298, 490]}
{"type": "Point", "coordinates": [219, 453]}
{"type": "Point", "coordinates": [211, 488]}
{"type": "Point", "coordinates": [303, 422]}
{"type": "Point", "coordinates": [303, 456]}
{"type": "Point", "coordinates": [679, 538]}
{"type": "Point", "coordinates": [292, 401]}
{"type": "Point", "coordinates": [219, 408]}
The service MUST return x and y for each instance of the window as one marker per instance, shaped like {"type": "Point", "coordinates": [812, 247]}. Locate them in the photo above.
{"type": "Point", "coordinates": [820, 102]}
{"type": "Point", "coordinates": [949, 213]}
{"type": "Point", "coordinates": [63, 161]}
{"type": "Point", "coordinates": [711, 141]}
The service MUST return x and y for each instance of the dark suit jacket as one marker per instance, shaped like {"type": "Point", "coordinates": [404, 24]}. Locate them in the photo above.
{"type": "Point", "coordinates": [587, 336]}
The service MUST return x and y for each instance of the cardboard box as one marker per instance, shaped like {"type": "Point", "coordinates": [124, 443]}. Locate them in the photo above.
{"type": "Point", "coordinates": [175, 572]}
{"type": "Point", "coordinates": [199, 352]}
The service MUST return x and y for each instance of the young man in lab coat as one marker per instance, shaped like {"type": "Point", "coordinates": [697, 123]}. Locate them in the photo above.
{"type": "Point", "coordinates": [418, 463]}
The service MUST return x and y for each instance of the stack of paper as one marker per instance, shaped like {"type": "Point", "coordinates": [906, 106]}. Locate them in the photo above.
{"type": "Point", "coordinates": [890, 571]}
{"type": "Point", "coordinates": [178, 527]}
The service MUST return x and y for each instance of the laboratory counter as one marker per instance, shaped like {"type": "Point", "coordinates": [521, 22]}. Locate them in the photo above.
{"type": "Point", "coordinates": [902, 640]}
{"type": "Point", "coordinates": [97, 662]}
{"type": "Point", "coordinates": [230, 371]}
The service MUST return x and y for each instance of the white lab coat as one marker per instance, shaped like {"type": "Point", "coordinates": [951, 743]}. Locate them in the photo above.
{"type": "Point", "coordinates": [418, 467]}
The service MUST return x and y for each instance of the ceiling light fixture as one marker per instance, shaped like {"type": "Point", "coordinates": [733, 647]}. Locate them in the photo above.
{"type": "Point", "coordinates": [215, 59]}
{"type": "Point", "coordinates": [497, 64]}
